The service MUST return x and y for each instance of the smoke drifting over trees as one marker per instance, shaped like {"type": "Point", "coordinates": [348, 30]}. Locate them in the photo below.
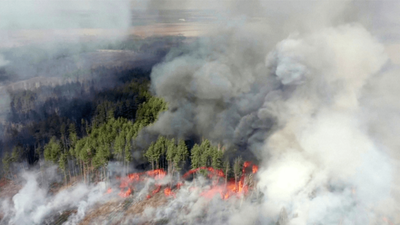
{"type": "Point", "coordinates": [306, 88]}
{"type": "Point", "coordinates": [296, 105]}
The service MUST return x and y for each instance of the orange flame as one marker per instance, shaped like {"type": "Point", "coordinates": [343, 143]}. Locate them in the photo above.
{"type": "Point", "coordinates": [246, 164]}
{"type": "Point", "coordinates": [255, 169]}
{"type": "Point", "coordinates": [157, 174]}
{"type": "Point", "coordinates": [133, 177]}
{"type": "Point", "coordinates": [125, 194]}
{"type": "Point", "coordinates": [213, 172]}
{"type": "Point", "coordinates": [226, 196]}
{"type": "Point", "coordinates": [226, 191]}
{"type": "Point", "coordinates": [168, 192]}
{"type": "Point", "coordinates": [232, 188]}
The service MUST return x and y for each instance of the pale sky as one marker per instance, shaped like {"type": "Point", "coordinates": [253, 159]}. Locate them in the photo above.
{"type": "Point", "coordinates": [381, 17]}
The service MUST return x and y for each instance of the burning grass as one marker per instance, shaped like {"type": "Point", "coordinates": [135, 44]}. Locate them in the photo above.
{"type": "Point", "coordinates": [230, 188]}
{"type": "Point", "coordinates": [150, 189]}
{"type": "Point", "coordinates": [128, 205]}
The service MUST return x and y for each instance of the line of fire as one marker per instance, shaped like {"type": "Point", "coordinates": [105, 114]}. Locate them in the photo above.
{"type": "Point", "coordinates": [220, 185]}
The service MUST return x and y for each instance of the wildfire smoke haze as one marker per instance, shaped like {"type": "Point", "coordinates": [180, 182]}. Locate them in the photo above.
{"type": "Point", "coordinates": [307, 90]}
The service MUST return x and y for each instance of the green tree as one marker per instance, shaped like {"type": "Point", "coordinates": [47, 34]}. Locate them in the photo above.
{"type": "Point", "coordinates": [226, 170]}
{"type": "Point", "coordinates": [181, 155]}
{"type": "Point", "coordinates": [63, 129]}
{"type": "Point", "coordinates": [150, 109]}
{"type": "Point", "coordinates": [128, 149]}
{"type": "Point", "coordinates": [171, 151]}
{"type": "Point", "coordinates": [237, 169]}
{"type": "Point", "coordinates": [73, 138]}
{"type": "Point", "coordinates": [7, 160]}
{"type": "Point", "coordinates": [62, 163]}
{"type": "Point", "coordinates": [160, 148]}
{"type": "Point", "coordinates": [128, 157]}
{"type": "Point", "coordinates": [206, 153]}
{"type": "Point", "coordinates": [16, 153]}
{"type": "Point", "coordinates": [196, 156]}
{"type": "Point", "coordinates": [216, 158]}
{"type": "Point", "coordinates": [52, 150]}
{"type": "Point", "coordinates": [119, 146]}
{"type": "Point", "coordinates": [150, 155]}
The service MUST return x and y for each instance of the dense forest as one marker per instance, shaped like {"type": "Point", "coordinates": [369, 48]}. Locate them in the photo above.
{"type": "Point", "coordinates": [83, 125]}
{"type": "Point", "coordinates": [82, 135]}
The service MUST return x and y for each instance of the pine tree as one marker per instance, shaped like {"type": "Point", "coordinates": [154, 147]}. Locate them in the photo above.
{"type": "Point", "coordinates": [63, 129]}
{"type": "Point", "coordinates": [119, 146]}
{"type": "Point", "coordinates": [62, 163]}
{"type": "Point", "coordinates": [83, 125]}
{"type": "Point", "coordinates": [206, 153]}
{"type": "Point", "coordinates": [149, 154]}
{"type": "Point", "coordinates": [52, 150]}
{"type": "Point", "coordinates": [227, 169]}
{"type": "Point", "coordinates": [237, 169]}
{"type": "Point", "coordinates": [16, 153]}
{"type": "Point", "coordinates": [128, 157]}
{"type": "Point", "coordinates": [195, 156]}
{"type": "Point", "coordinates": [216, 158]}
{"type": "Point", "coordinates": [86, 154]}
{"type": "Point", "coordinates": [163, 144]}
{"type": "Point", "coordinates": [6, 163]}
{"type": "Point", "coordinates": [171, 151]}
{"type": "Point", "coordinates": [77, 153]}
{"type": "Point", "coordinates": [128, 153]}
{"type": "Point", "coordinates": [73, 138]}
{"type": "Point", "coordinates": [181, 155]}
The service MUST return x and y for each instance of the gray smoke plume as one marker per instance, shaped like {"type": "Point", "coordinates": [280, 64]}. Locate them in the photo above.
{"type": "Point", "coordinates": [3, 62]}
{"type": "Point", "coordinates": [312, 107]}
{"type": "Point", "coordinates": [308, 88]}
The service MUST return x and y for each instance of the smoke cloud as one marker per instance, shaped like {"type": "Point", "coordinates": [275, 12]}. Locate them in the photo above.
{"type": "Point", "coordinates": [3, 62]}
{"type": "Point", "coordinates": [306, 105]}
{"type": "Point", "coordinates": [306, 88]}
{"type": "Point", "coordinates": [35, 203]}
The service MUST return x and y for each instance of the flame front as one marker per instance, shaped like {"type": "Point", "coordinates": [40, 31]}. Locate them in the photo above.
{"type": "Point", "coordinates": [230, 188]}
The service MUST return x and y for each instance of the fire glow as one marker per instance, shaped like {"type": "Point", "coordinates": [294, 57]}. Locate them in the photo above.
{"type": "Point", "coordinates": [220, 185]}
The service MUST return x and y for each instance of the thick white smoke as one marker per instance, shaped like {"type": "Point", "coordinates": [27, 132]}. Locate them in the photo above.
{"type": "Point", "coordinates": [323, 165]}
{"type": "Point", "coordinates": [310, 92]}
{"type": "Point", "coordinates": [311, 112]}
{"type": "Point", "coordinates": [34, 203]}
